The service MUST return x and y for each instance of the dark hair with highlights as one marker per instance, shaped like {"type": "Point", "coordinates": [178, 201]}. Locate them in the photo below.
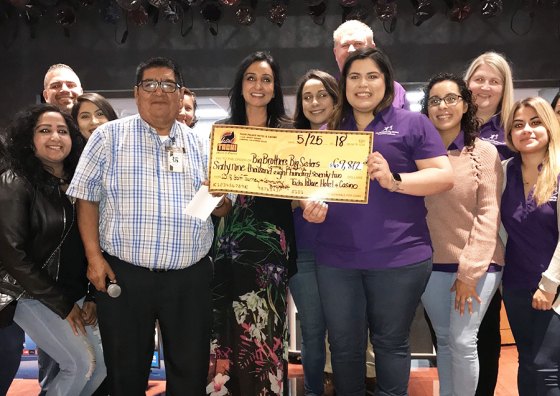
{"type": "Point", "coordinates": [378, 57]}
{"type": "Point", "coordinates": [331, 86]}
{"type": "Point", "coordinates": [20, 150]}
{"type": "Point", "coordinates": [97, 100]}
{"type": "Point", "coordinates": [469, 123]}
{"type": "Point", "coordinates": [275, 110]}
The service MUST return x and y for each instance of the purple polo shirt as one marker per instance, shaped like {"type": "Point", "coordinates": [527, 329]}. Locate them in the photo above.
{"type": "Point", "coordinates": [391, 230]}
{"type": "Point", "coordinates": [532, 232]}
{"type": "Point", "coordinates": [400, 101]}
{"type": "Point", "coordinates": [493, 132]}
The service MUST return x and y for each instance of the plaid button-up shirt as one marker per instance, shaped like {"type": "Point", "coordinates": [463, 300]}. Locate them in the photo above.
{"type": "Point", "coordinates": [142, 204]}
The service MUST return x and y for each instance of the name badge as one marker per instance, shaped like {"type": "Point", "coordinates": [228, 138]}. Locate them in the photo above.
{"type": "Point", "coordinates": [175, 159]}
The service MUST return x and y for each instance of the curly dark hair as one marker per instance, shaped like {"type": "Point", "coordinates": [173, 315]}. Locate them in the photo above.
{"type": "Point", "coordinates": [275, 109]}
{"type": "Point", "coordinates": [331, 86]}
{"type": "Point", "coordinates": [469, 123]}
{"type": "Point", "coordinates": [378, 57]}
{"type": "Point", "coordinates": [20, 151]}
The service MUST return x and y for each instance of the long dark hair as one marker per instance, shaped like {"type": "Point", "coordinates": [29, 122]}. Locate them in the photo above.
{"type": "Point", "coordinates": [555, 100]}
{"type": "Point", "coordinates": [20, 150]}
{"type": "Point", "coordinates": [382, 61]}
{"type": "Point", "coordinates": [275, 110]}
{"type": "Point", "coordinates": [97, 100]}
{"type": "Point", "coordinates": [469, 123]}
{"type": "Point", "coordinates": [331, 86]}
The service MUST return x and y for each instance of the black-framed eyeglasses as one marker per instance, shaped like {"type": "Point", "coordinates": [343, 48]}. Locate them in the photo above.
{"type": "Point", "coordinates": [449, 99]}
{"type": "Point", "coordinates": [152, 85]}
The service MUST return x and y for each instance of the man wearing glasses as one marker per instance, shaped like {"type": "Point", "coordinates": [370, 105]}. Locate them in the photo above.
{"type": "Point", "coordinates": [133, 183]}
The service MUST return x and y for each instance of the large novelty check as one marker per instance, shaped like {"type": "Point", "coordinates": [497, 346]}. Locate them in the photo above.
{"type": "Point", "coordinates": [290, 163]}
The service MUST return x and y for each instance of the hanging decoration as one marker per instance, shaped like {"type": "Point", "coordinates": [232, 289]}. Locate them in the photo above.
{"type": "Point", "coordinates": [491, 8]}
{"type": "Point", "coordinates": [159, 3]}
{"type": "Point", "coordinates": [424, 10]}
{"type": "Point", "coordinates": [230, 3]}
{"type": "Point", "coordinates": [32, 14]}
{"type": "Point", "coordinates": [387, 13]}
{"type": "Point", "coordinates": [358, 12]}
{"type": "Point", "coordinates": [110, 11]}
{"type": "Point", "coordinates": [245, 12]}
{"type": "Point", "coordinates": [139, 16]}
{"type": "Point", "coordinates": [317, 12]}
{"type": "Point", "coordinates": [278, 12]}
{"type": "Point", "coordinates": [211, 12]}
{"type": "Point", "coordinates": [458, 10]}
{"type": "Point", "coordinates": [172, 12]}
{"type": "Point", "coordinates": [129, 5]}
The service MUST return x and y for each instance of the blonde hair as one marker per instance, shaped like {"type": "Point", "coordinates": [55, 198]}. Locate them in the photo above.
{"type": "Point", "coordinates": [501, 66]}
{"type": "Point", "coordinates": [352, 26]}
{"type": "Point", "coordinates": [547, 181]}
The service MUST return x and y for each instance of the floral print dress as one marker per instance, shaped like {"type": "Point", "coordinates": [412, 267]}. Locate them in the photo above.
{"type": "Point", "coordinates": [254, 252]}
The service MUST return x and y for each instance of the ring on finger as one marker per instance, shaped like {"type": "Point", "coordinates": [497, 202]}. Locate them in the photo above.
{"type": "Point", "coordinates": [469, 300]}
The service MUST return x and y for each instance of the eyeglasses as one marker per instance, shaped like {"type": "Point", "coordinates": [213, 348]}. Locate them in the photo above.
{"type": "Point", "coordinates": [152, 85]}
{"type": "Point", "coordinates": [450, 99]}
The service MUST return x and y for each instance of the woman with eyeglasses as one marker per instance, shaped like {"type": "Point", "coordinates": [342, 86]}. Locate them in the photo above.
{"type": "Point", "coordinates": [374, 260]}
{"type": "Point", "coordinates": [255, 255]}
{"type": "Point", "coordinates": [489, 78]}
{"type": "Point", "coordinates": [529, 211]}
{"type": "Point", "coordinates": [90, 111]}
{"type": "Point", "coordinates": [468, 256]}
{"type": "Point", "coordinates": [316, 95]}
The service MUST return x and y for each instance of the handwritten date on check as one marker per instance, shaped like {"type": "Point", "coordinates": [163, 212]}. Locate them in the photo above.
{"type": "Point", "coordinates": [290, 163]}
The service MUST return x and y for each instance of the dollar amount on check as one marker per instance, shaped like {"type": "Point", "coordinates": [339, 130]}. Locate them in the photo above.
{"type": "Point", "coordinates": [290, 163]}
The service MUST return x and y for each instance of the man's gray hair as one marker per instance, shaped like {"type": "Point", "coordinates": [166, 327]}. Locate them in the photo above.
{"type": "Point", "coordinates": [352, 26]}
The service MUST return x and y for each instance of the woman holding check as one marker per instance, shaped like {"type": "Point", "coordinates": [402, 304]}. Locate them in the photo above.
{"type": "Point", "coordinates": [374, 260]}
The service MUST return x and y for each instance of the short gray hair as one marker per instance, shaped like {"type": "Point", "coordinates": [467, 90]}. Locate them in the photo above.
{"type": "Point", "coordinates": [351, 26]}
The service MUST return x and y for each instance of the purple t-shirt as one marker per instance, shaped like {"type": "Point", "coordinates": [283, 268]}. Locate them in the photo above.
{"type": "Point", "coordinates": [391, 230]}
{"type": "Point", "coordinates": [532, 232]}
{"type": "Point", "coordinates": [493, 132]}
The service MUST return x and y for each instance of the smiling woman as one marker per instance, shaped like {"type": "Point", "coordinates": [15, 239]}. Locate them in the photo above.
{"type": "Point", "coordinates": [43, 260]}
{"type": "Point", "coordinates": [376, 258]}
{"type": "Point", "coordinates": [254, 256]}
{"type": "Point", "coordinates": [467, 258]}
{"type": "Point", "coordinates": [490, 80]}
{"type": "Point", "coordinates": [529, 211]}
{"type": "Point", "coordinates": [90, 111]}
{"type": "Point", "coordinates": [315, 98]}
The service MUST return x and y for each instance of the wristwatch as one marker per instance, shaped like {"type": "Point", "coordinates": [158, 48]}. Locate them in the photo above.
{"type": "Point", "coordinates": [396, 182]}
